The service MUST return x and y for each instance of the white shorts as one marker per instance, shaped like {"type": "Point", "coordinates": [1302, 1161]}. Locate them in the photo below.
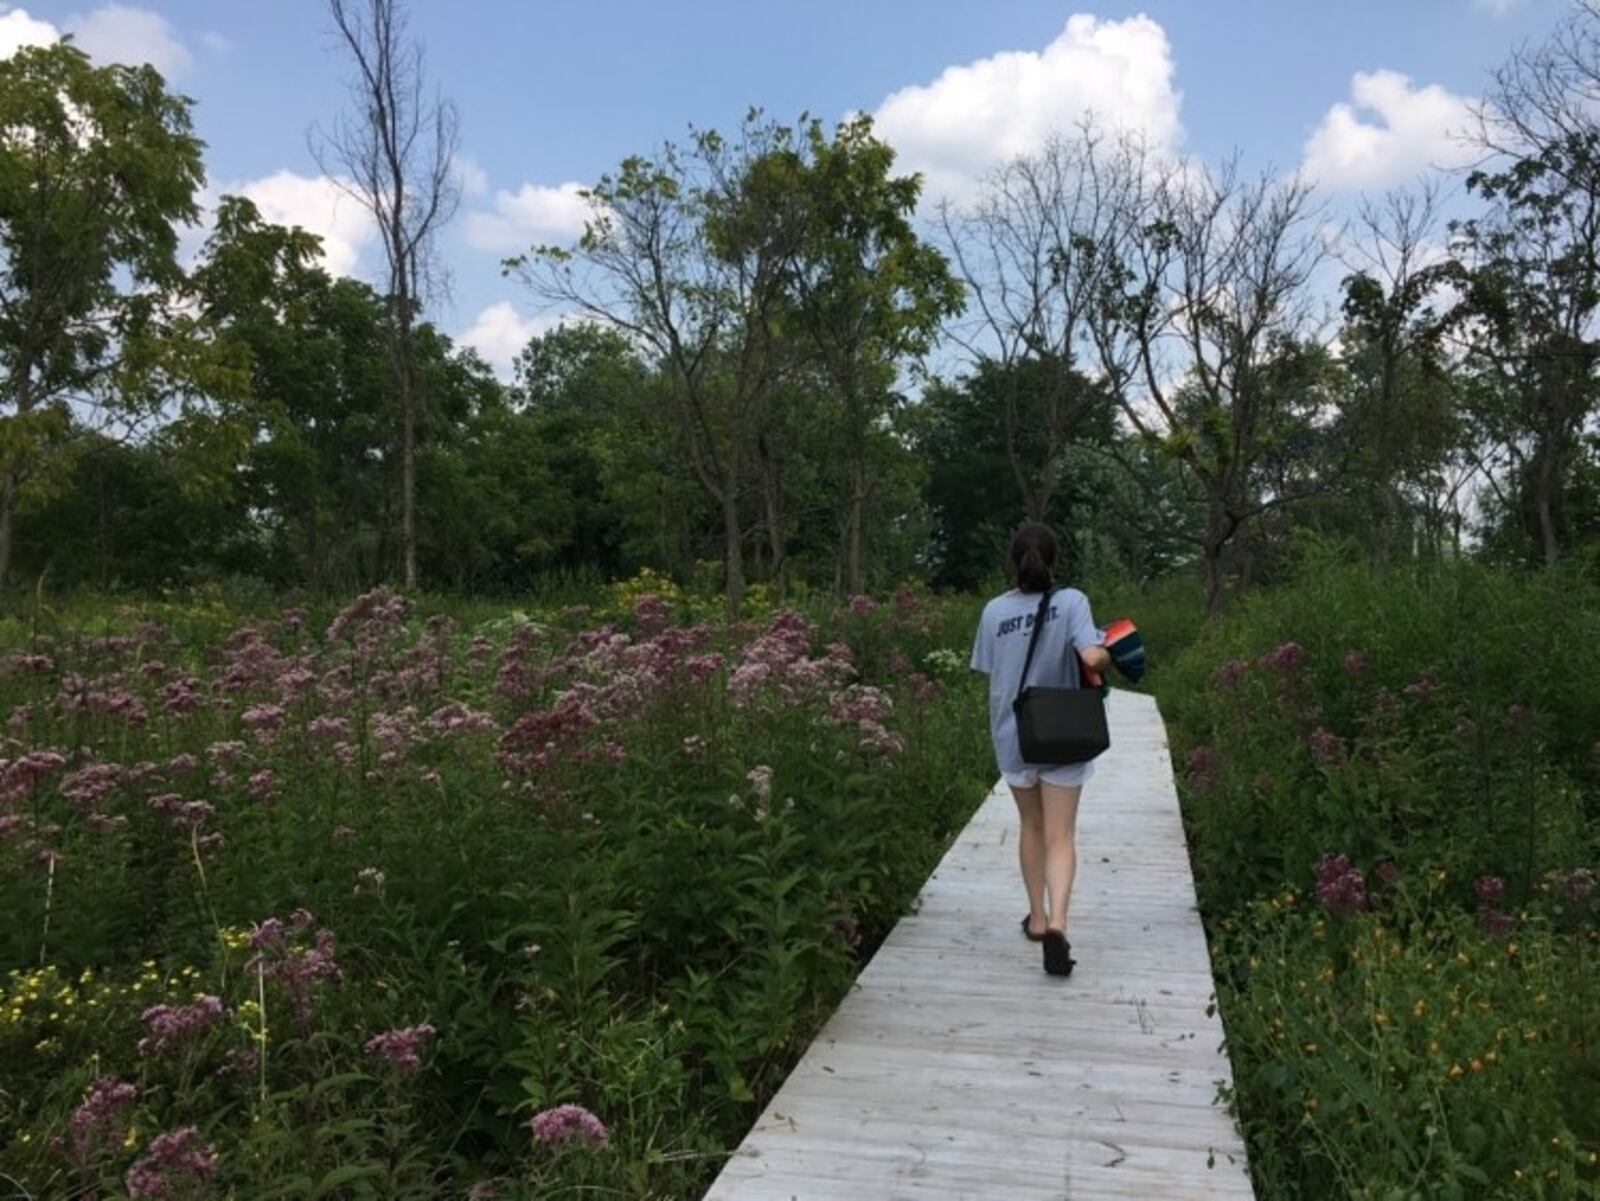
{"type": "Point", "coordinates": [1067, 775]}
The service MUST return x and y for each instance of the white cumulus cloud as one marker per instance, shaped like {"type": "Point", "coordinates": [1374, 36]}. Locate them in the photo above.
{"type": "Point", "coordinates": [317, 204]}
{"type": "Point", "coordinates": [533, 213]}
{"type": "Point", "coordinates": [18, 29]}
{"type": "Point", "coordinates": [500, 333]}
{"type": "Point", "coordinates": [112, 33]}
{"type": "Point", "coordinates": [120, 33]}
{"type": "Point", "coordinates": [980, 114]}
{"type": "Point", "coordinates": [1389, 132]}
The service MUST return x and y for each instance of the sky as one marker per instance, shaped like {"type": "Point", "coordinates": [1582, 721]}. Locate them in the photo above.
{"type": "Point", "coordinates": [1360, 95]}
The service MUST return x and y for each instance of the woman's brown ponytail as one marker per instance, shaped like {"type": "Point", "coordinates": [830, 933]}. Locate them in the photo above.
{"type": "Point", "coordinates": [1033, 557]}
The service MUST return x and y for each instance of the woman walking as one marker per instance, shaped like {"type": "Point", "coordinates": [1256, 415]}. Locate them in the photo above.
{"type": "Point", "coordinates": [1046, 794]}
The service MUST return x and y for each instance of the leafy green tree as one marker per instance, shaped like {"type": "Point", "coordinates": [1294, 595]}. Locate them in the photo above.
{"type": "Point", "coordinates": [1528, 269]}
{"type": "Point", "coordinates": [1112, 499]}
{"type": "Point", "coordinates": [125, 515]}
{"type": "Point", "coordinates": [98, 167]}
{"type": "Point", "coordinates": [868, 294]}
{"type": "Point", "coordinates": [687, 255]}
{"type": "Point", "coordinates": [318, 427]}
{"type": "Point", "coordinates": [1398, 416]}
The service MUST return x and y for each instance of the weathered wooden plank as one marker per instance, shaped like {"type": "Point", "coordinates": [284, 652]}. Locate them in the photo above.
{"type": "Point", "coordinates": [956, 1068]}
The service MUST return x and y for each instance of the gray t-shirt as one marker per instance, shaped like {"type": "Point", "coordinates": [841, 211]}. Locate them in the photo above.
{"type": "Point", "coordinates": [1001, 646]}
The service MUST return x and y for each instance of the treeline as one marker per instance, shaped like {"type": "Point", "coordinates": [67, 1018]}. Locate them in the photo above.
{"type": "Point", "coordinates": [773, 370]}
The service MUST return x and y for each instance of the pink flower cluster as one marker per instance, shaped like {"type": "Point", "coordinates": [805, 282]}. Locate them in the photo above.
{"type": "Point", "coordinates": [1231, 672]}
{"type": "Point", "coordinates": [1205, 768]}
{"type": "Point", "coordinates": [521, 673]}
{"type": "Point", "coordinates": [401, 1048]}
{"type": "Point", "coordinates": [173, 1025]}
{"type": "Point", "coordinates": [1340, 886]}
{"type": "Point", "coordinates": [453, 720]}
{"type": "Point", "coordinates": [172, 1157]}
{"type": "Point", "coordinates": [566, 1123]}
{"type": "Point", "coordinates": [651, 615]}
{"type": "Point", "coordinates": [20, 776]}
{"type": "Point", "coordinates": [1490, 891]}
{"type": "Point", "coordinates": [295, 968]}
{"type": "Point", "coordinates": [23, 661]}
{"type": "Point", "coordinates": [610, 677]}
{"type": "Point", "coordinates": [1283, 659]}
{"type": "Point", "coordinates": [98, 1118]}
{"type": "Point", "coordinates": [537, 739]}
{"type": "Point", "coordinates": [1577, 886]}
{"type": "Point", "coordinates": [181, 814]}
{"type": "Point", "coordinates": [1327, 748]}
{"type": "Point", "coordinates": [867, 708]}
{"type": "Point", "coordinates": [370, 619]}
{"type": "Point", "coordinates": [88, 787]}
{"type": "Point", "coordinates": [777, 667]}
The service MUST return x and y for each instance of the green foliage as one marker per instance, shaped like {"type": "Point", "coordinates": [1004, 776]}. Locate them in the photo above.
{"type": "Point", "coordinates": [102, 168]}
{"type": "Point", "coordinates": [1436, 727]}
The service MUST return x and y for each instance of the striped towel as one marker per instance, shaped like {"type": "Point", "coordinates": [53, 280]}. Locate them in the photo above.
{"type": "Point", "coordinates": [1126, 647]}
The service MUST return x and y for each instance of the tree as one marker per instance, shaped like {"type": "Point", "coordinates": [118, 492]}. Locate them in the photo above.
{"type": "Point", "coordinates": [1205, 296]}
{"type": "Point", "coordinates": [1034, 255]}
{"type": "Point", "coordinates": [1398, 416]}
{"type": "Point", "coordinates": [319, 435]}
{"type": "Point", "coordinates": [868, 294]}
{"type": "Point", "coordinates": [1529, 270]}
{"type": "Point", "coordinates": [398, 155]}
{"type": "Point", "coordinates": [687, 258]}
{"type": "Point", "coordinates": [97, 166]}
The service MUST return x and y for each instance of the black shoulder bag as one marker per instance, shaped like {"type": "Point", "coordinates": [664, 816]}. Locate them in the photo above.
{"type": "Point", "coordinates": [1058, 725]}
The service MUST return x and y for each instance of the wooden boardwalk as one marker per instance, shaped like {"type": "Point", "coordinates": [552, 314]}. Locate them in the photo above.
{"type": "Point", "coordinates": [957, 1069]}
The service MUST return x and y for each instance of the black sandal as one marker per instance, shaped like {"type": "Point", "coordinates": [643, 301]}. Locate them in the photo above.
{"type": "Point", "coordinates": [1058, 960]}
{"type": "Point", "coordinates": [1027, 919]}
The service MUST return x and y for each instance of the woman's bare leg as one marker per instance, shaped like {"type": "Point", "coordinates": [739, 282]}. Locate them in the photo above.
{"type": "Point", "coordinates": [1059, 808]}
{"type": "Point", "coordinates": [1030, 854]}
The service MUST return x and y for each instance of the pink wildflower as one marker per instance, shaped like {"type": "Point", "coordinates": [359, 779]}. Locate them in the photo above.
{"type": "Point", "coordinates": [1489, 890]}
{"type": "Point", "coordinates": [98, 1117]}
{"type": "Point", "coordinates": [402, 1048]}
{"type": "Point", "coordinates": [170, 1025]}
{"type": "Point", "coordinates": [1327, 748]}
{"type": "Point", "coordinates": [1577, 886]}
{"type": "Point", "coordinates": [171, 1155]}
{"type": "Point", "coordinates": [651, 615]}
{"type": "Point", "coordinates": [1231, 672]}
{"type": "Point", "coordinates": [1421, 689]}
{"type": "Point", "coordinates": [1205, 766]}
{"type": "Point", "coordinates": [264, 721]}
{"type": "Point", "coordinates": [1285, 658]}
{"type": "Point", "coordinates": [1340, 887]}
{"type": "Point", "coordinates": [565, 1123]}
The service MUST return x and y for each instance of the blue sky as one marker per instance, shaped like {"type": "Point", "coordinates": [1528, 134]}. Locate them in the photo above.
{"type": "Point", "coordinates": [1360, 93]}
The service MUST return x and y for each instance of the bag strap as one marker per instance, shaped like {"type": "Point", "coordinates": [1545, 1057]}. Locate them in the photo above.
{"type": "Point", "coordinates": [1033, 639]}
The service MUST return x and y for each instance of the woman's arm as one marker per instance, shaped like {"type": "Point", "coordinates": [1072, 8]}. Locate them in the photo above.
{"type": "Point", "coordinates": [1088, 640]}
{"type": "Point", "coordinates": [1096, 658]}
